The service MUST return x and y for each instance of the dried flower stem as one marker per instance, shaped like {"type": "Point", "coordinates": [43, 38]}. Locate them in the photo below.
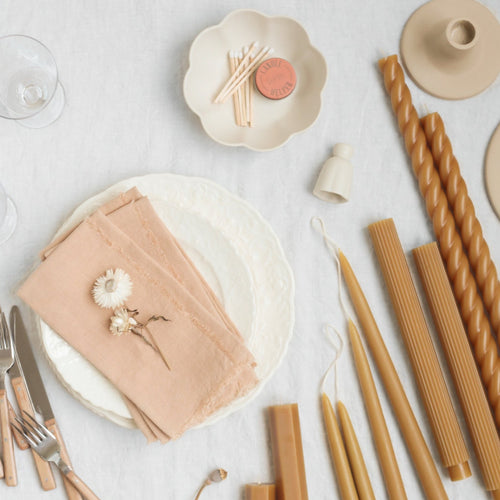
{"type": "Point", "coordinates": [215, 476]}
{"type": "Point", "coordinates": [140, 326]}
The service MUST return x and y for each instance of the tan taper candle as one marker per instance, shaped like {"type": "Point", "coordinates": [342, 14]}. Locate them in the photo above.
{"type": "Point", "coordinates": [380, 433]}
{"type": "Point", "coordinates": [340, 461]}
{"type": "Point", "coordinates": [424, 464]}
{"type": "Point", "coordinates": [356, 460]}
{"type": "Point", "coordinates": [288, 456]}
{"type": "Point", "coordinates": [260, 492]}
{"type": "Point", "coordinates": [461, 363]}
{"type": "Point", "coordinates": [426, 368]}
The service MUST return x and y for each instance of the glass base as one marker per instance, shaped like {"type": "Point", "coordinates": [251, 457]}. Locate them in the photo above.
{"type": "Point", "coordinates": [49, 114]}
{"type": "Point", "coordinates": [9, 222]}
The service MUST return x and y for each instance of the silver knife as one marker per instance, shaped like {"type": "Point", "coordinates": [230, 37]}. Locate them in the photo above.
{"type": "Point", "coordinates": [36, 390]}
{"type": "Point", "coordinates": [16, 373]}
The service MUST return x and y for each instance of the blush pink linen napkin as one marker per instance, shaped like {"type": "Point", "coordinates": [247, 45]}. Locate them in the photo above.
{"type": "Point", "coordinates": [209, 363]}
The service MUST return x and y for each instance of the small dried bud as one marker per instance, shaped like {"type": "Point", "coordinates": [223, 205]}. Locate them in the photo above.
{"type": "Point", "coordinates": [217, 476]}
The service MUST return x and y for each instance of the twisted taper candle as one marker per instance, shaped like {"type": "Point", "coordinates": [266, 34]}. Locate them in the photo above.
{"type": "Point", "coordinates": [462, 207]}
{"type": "Point", "coordinates": [450, 244]}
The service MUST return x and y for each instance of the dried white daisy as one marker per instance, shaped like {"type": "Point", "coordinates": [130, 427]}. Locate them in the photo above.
{"type": "Point", "coordinates": [121, 322]}
{"type": "Point", "coordinates": [112, 289]}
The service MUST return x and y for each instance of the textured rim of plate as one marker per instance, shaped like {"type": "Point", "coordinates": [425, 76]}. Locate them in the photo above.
{"type": "Point", "coordinates": [241, 402]}
{"type": "Point", "coordinates": [216, 26]}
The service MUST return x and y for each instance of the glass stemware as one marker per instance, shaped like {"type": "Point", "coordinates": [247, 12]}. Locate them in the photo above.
{"type": "Point", "coordinates": [8, 216]}
{"type": "Point", "coordinates": [30, 91]}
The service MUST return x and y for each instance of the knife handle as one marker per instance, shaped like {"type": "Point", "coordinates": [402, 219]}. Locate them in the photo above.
{"type": "Point", "coordinates": [43, 469]}
{"type": "Point", "coordinates": [71, 491]}
{"type": "Point", "coordinates": [81, 486]}
{"type": "Point", "coordinates": [1, 469]}
{"type": "Point", "coordinates": [9, 461]}
{"type": "Point", "coordinates": [22, 444]}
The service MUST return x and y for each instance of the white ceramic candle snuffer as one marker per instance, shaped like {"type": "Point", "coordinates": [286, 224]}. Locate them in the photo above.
{"type": "Point", "coordinates": [335, 179]}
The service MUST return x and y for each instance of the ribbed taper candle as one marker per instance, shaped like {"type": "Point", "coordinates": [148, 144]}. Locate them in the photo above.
{"type": "Point", "coordinates": [450, 244]}
{"type": "Point", "coordinates": [461, 363]}
{"type": "Point", "coordinates": [423, 357]}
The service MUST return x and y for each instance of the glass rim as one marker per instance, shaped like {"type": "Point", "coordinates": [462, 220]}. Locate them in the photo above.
{"type": "Point", "coordinates": [17, 35]}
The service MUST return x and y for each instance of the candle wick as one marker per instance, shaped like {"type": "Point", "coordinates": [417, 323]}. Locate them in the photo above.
{"type": "Point", "coordinates": [338, 352]}
{"type": "Point", "coordinates": [318, 224]}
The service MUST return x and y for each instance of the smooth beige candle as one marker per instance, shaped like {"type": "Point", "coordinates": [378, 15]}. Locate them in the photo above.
{"type": "Point", "coordinates": [260, 492]}
{"type": "Point", "coordinates": [381, 436]}
{"type": "Point", "coordinates": [424, 464]}
{"type": "Point", "coordinates": [356, 460]}
{"type": "Point", "coordinates": [338, 452]}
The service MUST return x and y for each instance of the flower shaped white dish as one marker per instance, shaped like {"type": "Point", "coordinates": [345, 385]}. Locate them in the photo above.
{"type": "Point", "coordinates": [275, 121]}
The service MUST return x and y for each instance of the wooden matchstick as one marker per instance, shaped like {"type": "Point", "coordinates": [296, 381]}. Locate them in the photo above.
{"type": "Point", "coordinates": [246, 74]}
{"type": "Point", "coordinates": [247, 94]}
{"type": "Point", "coordinates": [236, 104]}
{"type": "Point", "coordinates": [241, 97]}
{"type": "Point", "coordinates": [236, 73]}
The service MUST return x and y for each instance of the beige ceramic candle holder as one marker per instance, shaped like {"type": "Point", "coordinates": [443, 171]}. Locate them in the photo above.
{"type": "Point", "coordinates": [335, 179]}
{"type": "Point", "coordinates": [450, 48]}
{"type": "Point", "coordinates": [492, 171]}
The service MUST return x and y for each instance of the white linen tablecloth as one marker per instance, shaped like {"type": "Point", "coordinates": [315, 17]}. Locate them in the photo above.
{"type": "Point", "coordinates": [122, 63]}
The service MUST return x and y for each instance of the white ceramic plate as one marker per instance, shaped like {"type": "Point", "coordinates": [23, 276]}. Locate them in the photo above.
{"type": "Point", "coordinates": [275, 121]}
{"type": "Point", "coordinates": [238, 254]}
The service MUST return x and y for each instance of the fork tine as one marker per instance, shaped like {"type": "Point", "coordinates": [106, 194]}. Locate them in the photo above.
{"type": "Point", "coordinates": [30, 430]}
{"type": "Point", "coordinates": [2, 332]}
{"type": "Point", "coordinates": [9, 334]}
{"type": "Point", "coordinates": [24, 433]}
{"type": "Point", "coordinates": [6, 330]}
{"type": "Point", "coordinates": [40, 427]}
{"type": "Point", "coordinates": [27, 432]}
{"type": "Point", "coordinates": [33, 430]}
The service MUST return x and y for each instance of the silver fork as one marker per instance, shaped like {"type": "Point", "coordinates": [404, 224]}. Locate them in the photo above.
{"type": "Point", "coordinates": [6, 361]}
{"type": "Point", "coordinates": [46, 445]}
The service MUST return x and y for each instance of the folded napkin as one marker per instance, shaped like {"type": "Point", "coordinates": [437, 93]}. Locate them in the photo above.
{"type": "Point", "coordinates": [194, 364]}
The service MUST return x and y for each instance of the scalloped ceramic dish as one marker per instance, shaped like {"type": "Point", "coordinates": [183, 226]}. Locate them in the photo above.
{"type": "Point", "coordinates": [274, 121]}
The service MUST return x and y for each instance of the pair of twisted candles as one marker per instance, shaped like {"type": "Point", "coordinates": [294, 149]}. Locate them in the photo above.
{"type": "Point", "coordinates": [471, 307]}
{"type": "Point", "coordinates": [462, 207]}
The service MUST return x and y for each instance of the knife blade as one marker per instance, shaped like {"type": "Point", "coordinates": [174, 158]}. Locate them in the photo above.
{"type": "Point", "coordinates": [36, 389]}
{"type": "Point", "coordinates": [15, 373]}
